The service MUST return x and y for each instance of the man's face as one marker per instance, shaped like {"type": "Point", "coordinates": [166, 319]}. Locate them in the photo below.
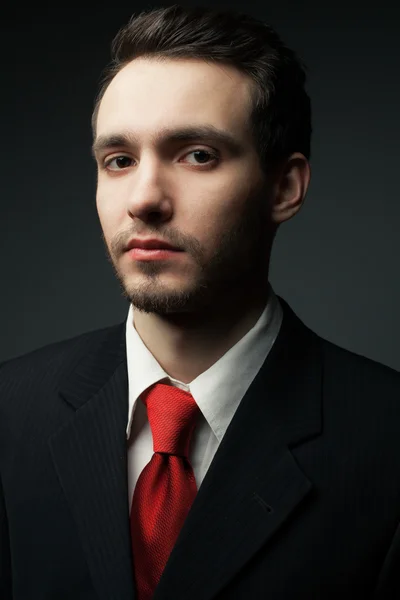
{"type": "Point", "coordinates": [204, 195]}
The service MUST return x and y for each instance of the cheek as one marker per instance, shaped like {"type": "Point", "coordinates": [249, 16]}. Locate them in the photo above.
{"type": "Point", "coordinates": [223, 195]}
{"type": "Point", "coordinates": [230, 202]}
{"type": "Point", "coordinates": [216, 215]}
{"type": "Point", "coordinates": [110, 214]}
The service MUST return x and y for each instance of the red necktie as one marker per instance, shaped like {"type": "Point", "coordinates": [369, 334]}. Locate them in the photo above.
{"type": "Point", "coordinates": [166, 487]}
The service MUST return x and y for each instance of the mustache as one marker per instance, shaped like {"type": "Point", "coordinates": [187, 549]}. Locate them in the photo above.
{"type": "Point", "coordinates": [117, 245]}
{"type": "Point", "coordinates": [119, 242]}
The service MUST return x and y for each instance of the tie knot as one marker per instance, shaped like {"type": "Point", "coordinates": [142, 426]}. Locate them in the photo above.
{"type": "Point", "coordinates": [172, 415]}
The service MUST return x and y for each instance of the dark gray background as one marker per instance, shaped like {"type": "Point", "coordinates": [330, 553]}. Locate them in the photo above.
{"type": "Point", "coordinates": [336, 263]}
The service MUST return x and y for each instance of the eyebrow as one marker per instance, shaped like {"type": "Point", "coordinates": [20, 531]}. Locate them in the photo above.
{"type": "Point", "coordinates": [185, 134]}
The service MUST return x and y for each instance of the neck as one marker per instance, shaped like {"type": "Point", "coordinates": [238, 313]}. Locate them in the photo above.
{"type": "Point", "coordinates": [187, 344]}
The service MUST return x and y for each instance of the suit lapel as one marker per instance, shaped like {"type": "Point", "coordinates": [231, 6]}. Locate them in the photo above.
{"type": "Point", "coordinates": [253, 484]}
{"type": "Point", "coordinates": [89, 454]}
{"type": "Point", "coordinates": [251, 488]}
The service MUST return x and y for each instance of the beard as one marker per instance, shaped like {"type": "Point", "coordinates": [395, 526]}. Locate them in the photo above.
{"type": "Point", "coordinates": [239, 265]}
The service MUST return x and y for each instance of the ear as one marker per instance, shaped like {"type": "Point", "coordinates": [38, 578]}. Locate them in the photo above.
{"type": "Point", "coordinates": [290, 188]}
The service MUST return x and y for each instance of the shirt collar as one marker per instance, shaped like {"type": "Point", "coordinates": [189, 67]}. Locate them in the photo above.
{"type": "Point", "coordinates": [218, 390]}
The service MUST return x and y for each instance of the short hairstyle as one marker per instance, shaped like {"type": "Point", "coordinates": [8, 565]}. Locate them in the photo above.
{"type": "Point", "coordinates": [280, 116]}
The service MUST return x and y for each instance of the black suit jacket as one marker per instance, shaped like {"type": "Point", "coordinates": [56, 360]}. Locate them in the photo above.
{"type": "Point", "coordinates": [302, 499]}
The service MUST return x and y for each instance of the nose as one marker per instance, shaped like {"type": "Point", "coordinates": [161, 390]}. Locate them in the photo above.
{"type": "Point", "coordinates": [148, 196]}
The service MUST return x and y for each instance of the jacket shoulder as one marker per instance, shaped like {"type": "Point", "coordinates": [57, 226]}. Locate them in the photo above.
{"type": "Point", "coordinates": [361, 393]}
{"type": "Point", "coordinates": [348, 363]}
{"type": "Point", "coordinates": [57, 357]}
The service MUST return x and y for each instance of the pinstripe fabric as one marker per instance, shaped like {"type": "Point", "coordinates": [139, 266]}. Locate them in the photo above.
{"type": "Point", "coordinates": [302, 499]}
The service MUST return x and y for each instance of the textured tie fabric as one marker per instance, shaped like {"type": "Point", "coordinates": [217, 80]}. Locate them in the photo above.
{"type": "Point", "coordinates": [166, 487]}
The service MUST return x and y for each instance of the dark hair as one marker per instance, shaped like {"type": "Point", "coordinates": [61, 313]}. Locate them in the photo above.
{"type": "Point", "coordinates": [281, 111]}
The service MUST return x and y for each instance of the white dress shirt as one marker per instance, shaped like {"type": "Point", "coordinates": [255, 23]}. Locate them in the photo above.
{"type": "Point", "coordinates": [217, 391]}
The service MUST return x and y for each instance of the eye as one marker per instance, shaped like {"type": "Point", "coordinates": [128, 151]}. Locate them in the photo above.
{"type": "Point", "coordinates": [202, 156]}
{"type": "Point", "coordinates": [121, 162]}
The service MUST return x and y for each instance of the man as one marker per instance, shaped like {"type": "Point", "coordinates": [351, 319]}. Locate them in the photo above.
{"type": "Point", "coordinates": [211, 446]}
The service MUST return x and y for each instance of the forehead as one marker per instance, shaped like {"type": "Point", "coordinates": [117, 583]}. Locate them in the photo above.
{"type": "Point", "coordinates": [149, 94]}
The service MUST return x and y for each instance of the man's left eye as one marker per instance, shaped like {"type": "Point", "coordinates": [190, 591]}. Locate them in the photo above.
{"type": "Point", "coordinates": [203, 155]}
{"type": "Point", "coordinates": [119, 159]}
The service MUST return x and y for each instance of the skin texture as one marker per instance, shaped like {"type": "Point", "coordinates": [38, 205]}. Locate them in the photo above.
{"type": "Point", "coordinates": [222, 212]}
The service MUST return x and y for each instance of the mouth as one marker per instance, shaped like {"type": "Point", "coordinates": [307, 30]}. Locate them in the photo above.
{"type": "Point", "coordinates": [149, 244]}
{"type": "Point", "coordinates": [153, 253]}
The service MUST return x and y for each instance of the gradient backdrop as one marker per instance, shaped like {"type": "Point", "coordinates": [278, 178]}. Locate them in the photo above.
{"type": "Point", "coordinates": [336, 263]}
